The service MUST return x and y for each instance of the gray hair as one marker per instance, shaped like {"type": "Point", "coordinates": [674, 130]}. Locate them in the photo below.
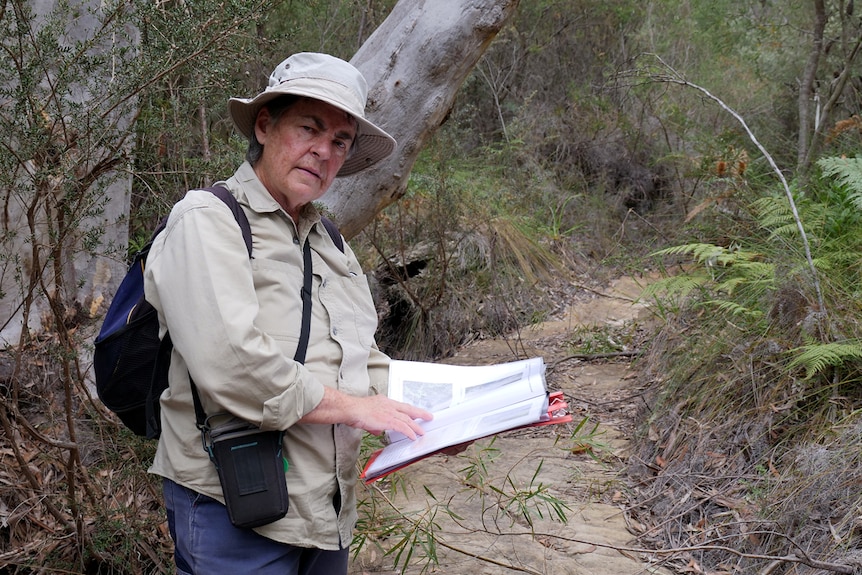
{"type": "Point", "coordinates": [276, 108]}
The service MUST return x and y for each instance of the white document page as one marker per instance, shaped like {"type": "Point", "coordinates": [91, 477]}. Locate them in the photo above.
{"type": "Point", "coordinates": [468, 402]}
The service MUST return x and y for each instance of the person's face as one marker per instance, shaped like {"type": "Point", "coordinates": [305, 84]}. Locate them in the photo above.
{"type": "Point", "coordinates": [302, 151]}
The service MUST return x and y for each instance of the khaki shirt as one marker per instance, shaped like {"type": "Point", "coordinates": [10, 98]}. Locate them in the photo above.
{"type": "Point", "coordinates": [235, 325]}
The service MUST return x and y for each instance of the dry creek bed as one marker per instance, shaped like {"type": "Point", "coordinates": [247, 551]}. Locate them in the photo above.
{"type": "Point", "coordinates": [595, 538]}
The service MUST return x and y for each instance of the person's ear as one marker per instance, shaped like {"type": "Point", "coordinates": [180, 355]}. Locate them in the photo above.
{"type": "Point", "coordinates": [261, 125]}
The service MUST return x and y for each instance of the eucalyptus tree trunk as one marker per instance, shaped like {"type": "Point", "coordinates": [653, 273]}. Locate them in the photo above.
{"type": "Point", "coordinates": [415, 62]}
{"type": "Point", "coordinates": [834, 95]}
{"type": "Point", "coordinates": [807, 92]}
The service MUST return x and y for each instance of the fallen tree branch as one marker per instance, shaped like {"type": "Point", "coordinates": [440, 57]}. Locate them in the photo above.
{"type": "Point", "coordinates": [510, 566]}
{"type": "Point", "coordinates": [418, 526]}
{"type": "Point", "coordinates": [603, 294]}
{"type": "Point", "coordinates": [803, 558]}
{"type": "Point", "coordinates": [593, 356]}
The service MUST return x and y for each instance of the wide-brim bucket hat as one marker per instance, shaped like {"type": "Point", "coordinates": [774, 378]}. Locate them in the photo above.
{"type": "Point", "coordinates": [328, 79]}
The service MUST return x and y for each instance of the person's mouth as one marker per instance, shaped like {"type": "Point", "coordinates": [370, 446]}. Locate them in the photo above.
{"type": "Point", "coordinates": [311, 171]}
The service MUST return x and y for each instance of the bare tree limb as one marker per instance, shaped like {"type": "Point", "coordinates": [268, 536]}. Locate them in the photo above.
{"type": "Point", "coordinates": [674, 77]}
{"type": "Point", "coordinates": [837, 91]}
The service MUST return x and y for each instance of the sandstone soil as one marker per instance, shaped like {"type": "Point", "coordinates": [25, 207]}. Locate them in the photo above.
{"type": "Point", "coordinates": [490, 535]}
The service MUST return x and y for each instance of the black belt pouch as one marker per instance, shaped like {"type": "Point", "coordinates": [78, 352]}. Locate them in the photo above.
{"type": "Point", "coordinates": [252, 473]}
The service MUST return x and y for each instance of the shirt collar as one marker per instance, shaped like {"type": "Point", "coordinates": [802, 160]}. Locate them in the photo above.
{"type": "Point", "coordinates": [257, 196]}
{"type": "Point", "coordinates": [261, 201]}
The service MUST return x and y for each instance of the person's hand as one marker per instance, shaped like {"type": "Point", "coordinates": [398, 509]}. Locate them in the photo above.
{"type": "Point", "coordinates": [377, 413]}
{"type": "Point", "coordinates": [374, 414]}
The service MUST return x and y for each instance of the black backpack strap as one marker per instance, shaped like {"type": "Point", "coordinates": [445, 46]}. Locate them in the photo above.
{"type": "Point", "coordinates": [228, 198]}
{"type": "Point", "coordinates": [305, 328]}
{"type": "Point", "coordinates": [333, 233]}
{"type": "Point", "coordinates": [200, 414]}
{"type": "Point", "coordinates": [157, 386]}
{"type": "Point", "coordinates": [160, 374]}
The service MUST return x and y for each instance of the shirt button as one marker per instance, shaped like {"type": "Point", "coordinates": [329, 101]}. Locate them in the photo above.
{"type": "Point", "coordinates": [334, 331]}
{"type": "Point", "coordinates": [296, 240]}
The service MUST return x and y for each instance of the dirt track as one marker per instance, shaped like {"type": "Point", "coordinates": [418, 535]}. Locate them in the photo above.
{"type": "Point", "coordinates": [490, 535]}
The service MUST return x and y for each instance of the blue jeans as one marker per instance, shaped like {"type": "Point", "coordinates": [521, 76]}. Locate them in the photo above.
{"type": "Point", "coordinates": [207, 543]}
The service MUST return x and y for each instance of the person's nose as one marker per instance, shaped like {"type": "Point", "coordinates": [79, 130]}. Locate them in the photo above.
{"type": "Point", "coordinates": [321, 148]}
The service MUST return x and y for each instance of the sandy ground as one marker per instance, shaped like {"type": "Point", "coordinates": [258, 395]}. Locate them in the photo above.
{"type": "Point", "coordinates": [480, 529]}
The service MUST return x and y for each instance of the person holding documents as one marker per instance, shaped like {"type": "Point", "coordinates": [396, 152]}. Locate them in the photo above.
{"type": "Point", "coordinates": [235, 325]}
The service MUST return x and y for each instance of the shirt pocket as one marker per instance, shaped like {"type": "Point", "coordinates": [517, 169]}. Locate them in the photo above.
{"type": "Point", "coordinates": [356, 297]}
{"type": "Point", "coordinates": [278, 286]}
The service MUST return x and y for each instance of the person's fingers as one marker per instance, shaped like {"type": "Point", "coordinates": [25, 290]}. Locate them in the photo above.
{"type": "Point", "coordinates": [392, 415]}
{"type": "Point", "coordinates": [419, 413]}
{"type": "Point", "coordinates": [414, 427]}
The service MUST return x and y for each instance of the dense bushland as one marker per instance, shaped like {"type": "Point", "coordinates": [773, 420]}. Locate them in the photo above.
{"type": "Point", "coordinates": [751, 452]}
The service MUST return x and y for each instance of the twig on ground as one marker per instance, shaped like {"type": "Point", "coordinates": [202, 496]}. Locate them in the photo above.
{"type": "Point", "coordinates": [593, 356]}
{"type": "Point", "coordinates": [602, 294]}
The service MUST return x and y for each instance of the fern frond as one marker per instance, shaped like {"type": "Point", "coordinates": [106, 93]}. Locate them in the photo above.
{"type": "Point", "coordinates": [848, 172]}
{"type": "Point", "coordinates": [701, 252]}
{"type": "Point", "coordinates": [675, 286]}
{"type": "Point", "coordinates": [754, 270]}
{"type": "Point", "coordinates": [729, 285]}
{"type": "Point", "coordinates": [735, 309]}
{"type": "Point", "coordinates": [739, 255]}
{"type": "Point", "coordinates": [773, 212]}
{"type": "Point", "coordinates": [827, 263]}
{"type": "Point", "coordinates": [785, 231]}
{"type": "Point", "coordinates": [775, 215]}
{"type": "Point", "coordinates": [710, 254]}
{"type": "Point", "coordinates": [817, 357]}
